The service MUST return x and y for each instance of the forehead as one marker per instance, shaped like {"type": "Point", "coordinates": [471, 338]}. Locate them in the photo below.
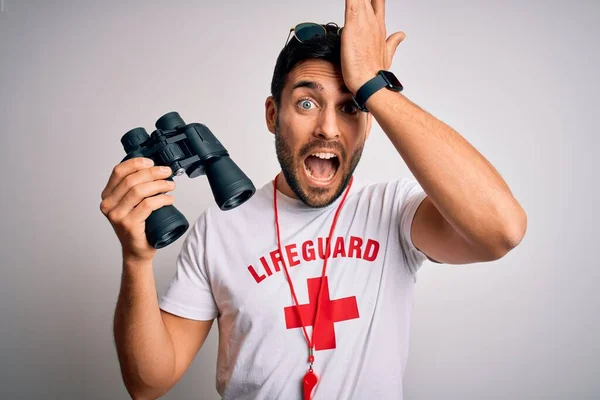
{"type": "Point", "coordinates": [319, 75]}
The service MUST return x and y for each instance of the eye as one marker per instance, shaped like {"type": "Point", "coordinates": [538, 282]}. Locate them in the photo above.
{"type": "Point", "coordinates": [350, 108]}
{"type": "Point", "coordinates": [305, 103]}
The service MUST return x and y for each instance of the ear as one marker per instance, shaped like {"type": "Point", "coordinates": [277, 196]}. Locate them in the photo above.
{"type": "Point", "coordinates": [270, 113]}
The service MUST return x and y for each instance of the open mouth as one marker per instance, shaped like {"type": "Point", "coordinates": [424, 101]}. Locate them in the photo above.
{"type": "Point", "coordinates": [321, 167]}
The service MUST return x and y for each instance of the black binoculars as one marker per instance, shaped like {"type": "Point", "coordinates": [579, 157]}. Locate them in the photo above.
{"type": "Point", "coordinates": [192, 149]}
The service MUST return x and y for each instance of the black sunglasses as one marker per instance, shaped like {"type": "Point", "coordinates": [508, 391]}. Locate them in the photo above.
{"type": "Point", "coordinates": [308, 30]}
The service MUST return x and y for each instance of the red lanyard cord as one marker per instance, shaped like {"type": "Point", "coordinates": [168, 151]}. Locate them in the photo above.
{"type": "Point", "coordinates": [310, 342]}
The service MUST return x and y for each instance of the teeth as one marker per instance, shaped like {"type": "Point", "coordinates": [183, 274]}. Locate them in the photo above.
{"type": "Point", "coordinates": [324, 156]}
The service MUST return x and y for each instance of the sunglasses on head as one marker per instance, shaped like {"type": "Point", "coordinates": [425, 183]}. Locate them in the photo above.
{"type": "Point", "coordinates": [308, 30]}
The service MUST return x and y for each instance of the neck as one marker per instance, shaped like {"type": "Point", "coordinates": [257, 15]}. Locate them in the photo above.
{"type": "Point", "coordinates": [283, 187]}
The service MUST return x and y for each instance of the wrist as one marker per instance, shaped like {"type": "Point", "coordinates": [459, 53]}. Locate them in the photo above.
{"type": "Point", "coordinates": [135, 263]}
{"type": "Point", "coordinates": [371, 102]}
{"type": "Point", "coordinates": [364, 78]}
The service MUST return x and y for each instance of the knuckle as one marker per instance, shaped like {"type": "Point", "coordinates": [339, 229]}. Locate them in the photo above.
{"type": "Point", "coordinates": [137, 191]}
{"type": "Point", "coordinates": [104, 207]}
{"type": "Point", "coordinates": [128, 181]}
{"type": "Point", "coordinates": [146, 204]}
{"type": "Point", "coordinates": [118, 171]}
{"type": "Point", "coordinates": [114, 216]}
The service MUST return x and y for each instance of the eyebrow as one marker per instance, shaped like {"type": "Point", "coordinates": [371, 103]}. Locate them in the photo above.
{"type": "Point", "coordinates": [317, 86]}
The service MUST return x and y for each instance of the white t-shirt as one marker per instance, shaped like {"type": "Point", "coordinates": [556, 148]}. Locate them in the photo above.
{"type": "Point", "coordinates": [229, 268]}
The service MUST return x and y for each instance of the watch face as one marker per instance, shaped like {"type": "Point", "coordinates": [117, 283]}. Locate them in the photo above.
{"type": "Point", "coordinates": [392, 79]}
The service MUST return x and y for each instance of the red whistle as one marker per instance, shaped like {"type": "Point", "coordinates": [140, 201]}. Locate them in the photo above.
{"type": "Point", "coordinates": [309, 382]}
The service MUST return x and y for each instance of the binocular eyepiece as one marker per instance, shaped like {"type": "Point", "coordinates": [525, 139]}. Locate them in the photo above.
{"type": "Point", "coordinates": [192, 149]}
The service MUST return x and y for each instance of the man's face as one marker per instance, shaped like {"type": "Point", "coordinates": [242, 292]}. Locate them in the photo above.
{"type": "Point", "coordinates": [319, 132]}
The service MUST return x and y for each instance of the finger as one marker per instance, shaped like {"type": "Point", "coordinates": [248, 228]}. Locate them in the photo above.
{"type": "Point", "coordinates": [130, 181]}
{"type": "Point", "coordinates": [143, 210]}
{"type": "Point", "coordinates": [353, 8]}
{"type": "Point", "coordinates": [394, 40]}
{"type": "Point", "coordinates": [368, 7]}
{"type": "Point", "coordinates": [392, 44]}
{"type": "Point", "coordinates": [379, 9]}
{"type": "Point", "coordinates": [137, 195]}
{"type": "Point", "coordinates": [122, 170]}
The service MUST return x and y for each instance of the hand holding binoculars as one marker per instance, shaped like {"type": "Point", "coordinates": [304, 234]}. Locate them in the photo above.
{"type": "Point", "coordinates": [192, 149]}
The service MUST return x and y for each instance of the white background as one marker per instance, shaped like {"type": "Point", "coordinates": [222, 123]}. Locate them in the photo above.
{"type": "Point", "coordinates": [519, 80]}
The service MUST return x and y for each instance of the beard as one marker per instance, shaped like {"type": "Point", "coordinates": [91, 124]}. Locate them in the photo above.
{"type": "Point", "coordinates": [313, 196]}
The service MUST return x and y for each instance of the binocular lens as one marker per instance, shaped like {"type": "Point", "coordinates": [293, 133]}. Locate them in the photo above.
{"type": "Point", "coordinates": [170, 121]}
{"type": "Point", "coordinates": [164, 226]}
{"type": "Point", "coordinates": [230, 186]}
{"type": "Point", "coordinates": [238, 199]}
{"type": "Point", "coordinates": [170, 237]}
{"type": "Point", "coordinates": [134, 138]}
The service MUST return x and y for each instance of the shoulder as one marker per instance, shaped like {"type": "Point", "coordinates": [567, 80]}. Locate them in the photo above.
{"type": "Point", "coordinates": [395, 190]}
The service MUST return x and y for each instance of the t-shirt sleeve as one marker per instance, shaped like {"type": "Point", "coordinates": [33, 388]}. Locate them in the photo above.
{"type": "Point", "coordinates": [411, 194]}
{"type": "Point", "coordinates": [189, 293]}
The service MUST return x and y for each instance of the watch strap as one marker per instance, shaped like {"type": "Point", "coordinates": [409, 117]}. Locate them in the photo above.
{"type": "Point", "coordinates": [370, 87]}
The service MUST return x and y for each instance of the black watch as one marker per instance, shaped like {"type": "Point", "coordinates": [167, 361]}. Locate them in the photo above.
{"type": "Point", "coordinates": [382, 79]}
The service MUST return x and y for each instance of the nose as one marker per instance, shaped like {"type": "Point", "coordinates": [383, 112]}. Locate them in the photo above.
{"type": "Point", "coordinates": [327, 126]}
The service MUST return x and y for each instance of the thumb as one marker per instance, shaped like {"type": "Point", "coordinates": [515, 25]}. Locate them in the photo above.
{"type": "Point", "coordinates": [392, 44]}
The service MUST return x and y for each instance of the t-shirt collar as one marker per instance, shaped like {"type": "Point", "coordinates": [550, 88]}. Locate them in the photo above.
{"type": "Point", "coordinates": [294, 204]}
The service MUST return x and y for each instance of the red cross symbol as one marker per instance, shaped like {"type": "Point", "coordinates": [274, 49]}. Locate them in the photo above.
{"type": "Point", "coordinates": [331, 311]}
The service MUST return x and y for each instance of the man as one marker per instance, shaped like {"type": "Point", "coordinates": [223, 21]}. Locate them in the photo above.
{"type": "Point", "coordinates": [311, 280]}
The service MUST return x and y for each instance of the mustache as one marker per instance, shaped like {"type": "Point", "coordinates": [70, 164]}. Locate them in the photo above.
{"type": "Point", "coordinates": [308, 148]}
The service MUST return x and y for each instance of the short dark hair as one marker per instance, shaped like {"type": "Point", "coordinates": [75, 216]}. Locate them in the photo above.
{"type": "Point", "coordinates": [326, 47]}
